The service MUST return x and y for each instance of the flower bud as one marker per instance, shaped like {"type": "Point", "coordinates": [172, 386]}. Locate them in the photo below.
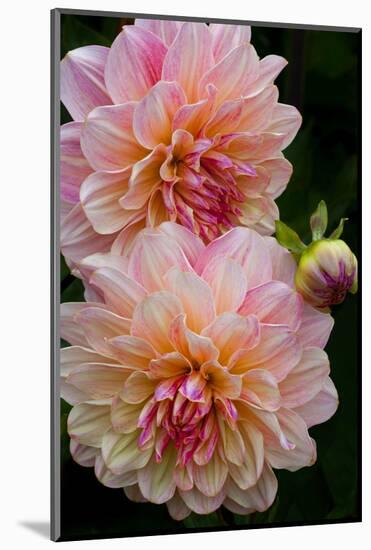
{"type": "Point", "coordinates": [327, 270]}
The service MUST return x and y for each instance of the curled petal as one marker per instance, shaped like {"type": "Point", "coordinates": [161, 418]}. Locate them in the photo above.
{"type": "Point", "coordinates": [286, 120]}
{"type": "Point", "coordinates": [227, 37]}
{"type": "Point", "coordinates": [274, 303]}
{"type": "Point", "coordinates": [137, 388]}
{"type": "Point", "coordinates": [221, 380]}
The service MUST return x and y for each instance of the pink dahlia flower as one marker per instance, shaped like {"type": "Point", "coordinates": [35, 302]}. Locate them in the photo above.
{"type": "Point", "coordinates": [176, 121]}
{"type": "Point", "coordinates": [196, 372]}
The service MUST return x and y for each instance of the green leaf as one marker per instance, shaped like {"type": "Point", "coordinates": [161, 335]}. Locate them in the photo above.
{"type": "Point", "coordinates": [336, 234]}
{"type": "Point", "coordinates": [288, 238]}
{"type": "Point", "coordinates": [318, 221]}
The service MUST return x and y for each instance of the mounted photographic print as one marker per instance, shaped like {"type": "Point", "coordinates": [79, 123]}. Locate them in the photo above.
{"type": "Point", "coordinates": [206, 230]}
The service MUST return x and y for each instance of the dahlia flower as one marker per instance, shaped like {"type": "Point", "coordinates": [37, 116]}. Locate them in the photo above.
{"type": "Point", "coordinates": [175, 121]}
{"type": "Point", "coordinates": [196, 372]}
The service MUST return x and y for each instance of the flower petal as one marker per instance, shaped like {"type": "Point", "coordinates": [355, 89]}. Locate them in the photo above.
{"type": "Point", "coordinates": [125, 416]}
{"type": "Point", "coordinates": [82, 454]}
{"type": "Point", "coordinates": [233, 74]}
{"type": "Point", "coordinates": [177, 508]}
{"type": "Point", "coordinates": [278, 351]}
{"type": "Point", "coordinates": [154, 114]}
{"type": "Point", "coordinates": [74, 166]}
{"type": "Point", "coordinates": [247, 473]}
{"type": "Point", "coordinates": [305, 381]}
{"type": "Point", "coordinates": [274, 303]}
{"type": "Point", "coordinates": [322, 407]}
{"type": "Point", "coordinates": [152, 256]}
{"type": "Point", "coordinates": [191, 245]}
{"type": "Point", "coordinates": [152, 318]}
{"type": "Point", "coordinates": [188, 58]}
{"type": "Point", "coordinates": [107, 138]}
{"type": "Point", "coordinates": [134, 64]}
{"type": "Point", "coordinates": [227, 37]}
{"type": "Point", "coordinates": [260, 389]}
{"type": "Point", "coordinates": [169, 365]}
{"type": "Point", "coordinates": [260, 496]}
{"type": "Point", "coordinates": [210, 478]}
{"type": "Point", "coordinates": [145, 179]}
{"type": "Point", "coordinates": [165, 30]}
{"type": "Point", "coordinates": [82, 80]}
{"type": "Point", "coordinates": [287, 120]}
{"type": "Point", "coordinates": [121, 452]}
{"type": "Point", "coordinates": [200, 503]}
{"type": "Point", "coordinates": [121, 293]}
{"type": "Point", "coordinates": [315, 328]}
{"type": "Point", "coordinates": [295, 430]}
{"type": "Point", "coordinates": [195, 296]}
{"type": "Point", "coordinates": [132, 351]}
{"type": "Point", "coordinates": [107, 478]}
{"type": "Point", "coordinates": [227, 281]}
{"type": "Point", "coordinates": [247, 248]}
{"type": "Point", "coordinates": [193, 117]}
{"type": "Point", "coordinates": [283, 264]}
{"type": "Point", "coordinates": [100, 194]}
{"type": "Point", "coordinates": [197, 348]}
{"type": "Point", "coordinates": [156, 480]}
{"type": "Point", "coordinates": [99, 381]}
{"type": "Point", "coordinates": [221, 380]}
{"type": "Point", "coordinates": [99, 325]}
{"type": "Point", "coordinates": [88, 423]}
{"type": "Point", "coordinates": [231, 332]}
{"type": "Point", "coordinates": [78, 238]}
{"type": "Point", "coordinates": [137, 388]}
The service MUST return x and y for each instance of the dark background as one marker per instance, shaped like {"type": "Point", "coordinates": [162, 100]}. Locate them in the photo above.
{"type": "Point", "coordinates": [323, 81]}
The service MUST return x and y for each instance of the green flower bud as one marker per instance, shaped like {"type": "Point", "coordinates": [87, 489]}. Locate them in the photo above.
{"type": "Point", "coordinates": [327, 270]}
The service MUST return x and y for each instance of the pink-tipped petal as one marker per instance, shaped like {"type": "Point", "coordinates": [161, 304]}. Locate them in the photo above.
{"type": "Point", "coordinates": [74, 166]}
{"type": "Point", "coordinates": [287, 120]}
{"type": "Point", "coordinates": [165, 30]}
{"type": "Point", "coordinates": [322, 407]}
{"type": "Point", "coordinates": [134, 64]}
{"type": "Point", "coordinates": [247, 248]}
{"type": "Point", "coordinates": [295, 430]}
{"type": "Point", "coordinates": [278, 351]}
{"type": "Point", "coordinates": [82, 80]}
{"type": "Point", "coordinates": [188, 58]}
{"type": "Point", "coordinates": [152, 256]}
{"type": "Point", "coordinates": [233, 74]}
{"type": "Point", "coordinates": [305, 381]}
{"type": "Point", "coordinates": [274, 303]}
{"type": "Point", "coordinates": [227, 37]}
{"type": "Point", "coordinates": [121, 293]}
{"type": "Point", "coordinates": [315, 328]}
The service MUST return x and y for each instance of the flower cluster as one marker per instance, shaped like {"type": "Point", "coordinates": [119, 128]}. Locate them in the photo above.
{"type": "Point", "coordinates": [197, 370]}
{"type": "Point", "coordinates": [176, 121]}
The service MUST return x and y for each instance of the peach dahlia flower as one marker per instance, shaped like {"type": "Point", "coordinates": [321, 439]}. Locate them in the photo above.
{"type": "Point", "coordinates": [197, 371]}
{"type": "Point", "coordinates": [176, 121]}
